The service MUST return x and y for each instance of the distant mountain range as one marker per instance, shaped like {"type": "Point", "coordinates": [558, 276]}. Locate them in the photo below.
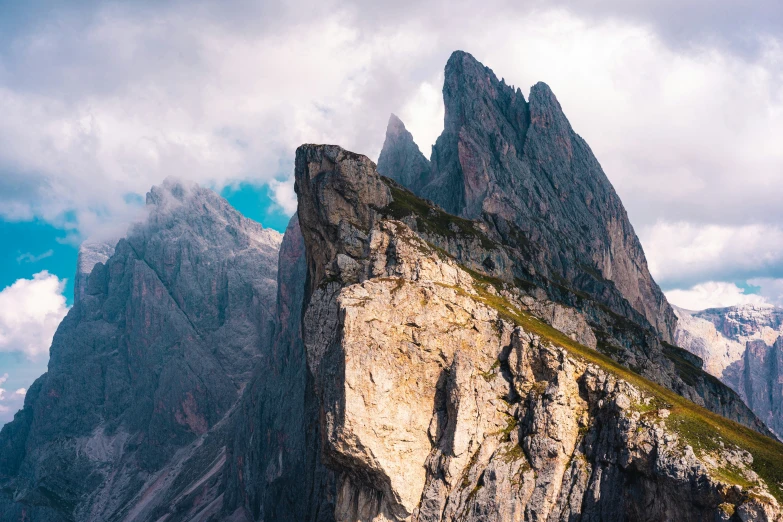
{"type": "Point", "coordinates": [741, 345]}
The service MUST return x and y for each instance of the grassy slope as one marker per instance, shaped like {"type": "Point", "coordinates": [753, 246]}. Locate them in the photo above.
{"type": "Point", "coordinates": [699, 427]}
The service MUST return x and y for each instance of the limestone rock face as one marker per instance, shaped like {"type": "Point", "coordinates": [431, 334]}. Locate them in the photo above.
{"type": "Point", "coordinates": [741, 346]}
{"type": "Point", "coordinates": [442, 396]}
{"type": "Point", "coordinates": [145, 369]}
{"type": "Point", "coordinates": [758, 378]}
{"type": "Point", "coordinates": [519, 166]}
{"type": "Point", "coordinates": [719, 335]}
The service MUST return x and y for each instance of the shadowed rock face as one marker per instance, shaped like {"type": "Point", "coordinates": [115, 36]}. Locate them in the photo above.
{"type": "Point", "coordinates": [275, 470]}
{"type": "Point", "coordinates": [152, 357]}
{"type": "Point", "coordinates": [519, 166]}
{"type": "Point", "coordinates": [758, 377]}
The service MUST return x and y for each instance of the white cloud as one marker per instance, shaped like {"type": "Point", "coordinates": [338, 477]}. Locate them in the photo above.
{"type": "Point", "coordinates": [30, 311]}
{"type": "Point", "coordinates": [713, 294]}
{"type": "Point", "coordinates": [423, 114]}
{"type": "Point", "coordinates": [180, 96]}
{"type": "Point", "coordinates": [680, 254]}
{"type": "Point", "coordinates": [10, 402]}
{"type": "Point", "coordinates": [97, 107]}
{"type": "Point", "coordinates": [284, 195]}
{"type": "Point", "coordinates": [27, 257]}
{"type": "Point", "coordinates": [770, 288]}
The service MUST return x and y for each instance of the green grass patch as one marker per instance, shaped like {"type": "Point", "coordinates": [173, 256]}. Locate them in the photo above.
{"type": "Point", "coordinates": [431, 219]}
{"type": "Point", "coordinates": [399, 282]}
{"type": "Point", "coordinates": [511, 425]}
{"type": "Point", "coordinates": [488, 376]}
{"type": "Point", "coordinates": [515, 453]}
{"type": "Point", "coordinates": [727, 508]}
{"type": "Point", "coordinates": [733, 475]}
{"type": "Point", "coordinates": [700, 428]}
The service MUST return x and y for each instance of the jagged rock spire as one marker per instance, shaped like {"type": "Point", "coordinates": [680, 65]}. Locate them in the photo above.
{"type": "Point", "coordinates": [520, 166]}
{"type": "Point", "coordinates": [401, 158]}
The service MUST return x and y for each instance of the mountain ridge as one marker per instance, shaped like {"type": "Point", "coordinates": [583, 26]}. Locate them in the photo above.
{"type": "Point", "coordinates": [427, 365]}
{"type": "Point", "coordinates": [519, 166]}
{"type": "Point", "coordinates": [386, 359]}
{"type": "Point", "coordinates": [741, 345]}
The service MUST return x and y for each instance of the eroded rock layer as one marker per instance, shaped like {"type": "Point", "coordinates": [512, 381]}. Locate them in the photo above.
{"type": "Point", "coordinates": [444, 398]}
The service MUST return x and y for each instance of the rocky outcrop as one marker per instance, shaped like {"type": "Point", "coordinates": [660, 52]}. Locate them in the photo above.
{"type": "Point", "coordinates": [443, 398]}
{"type": "Point", "coordinates": [401, 158]}
{"type": "Point", "coordinates": [519, 166]}
{"type": "Point", "coordinates": [129, 423]}
{"type": "Point", "coordinates": [741, 346]}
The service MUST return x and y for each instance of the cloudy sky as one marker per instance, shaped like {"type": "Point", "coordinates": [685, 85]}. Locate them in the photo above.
{"type": "Point", "coordinates": [682, 102]}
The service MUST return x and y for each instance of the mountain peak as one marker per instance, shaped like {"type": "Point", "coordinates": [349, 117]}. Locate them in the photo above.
{"type": "Point", "coordinates": [520, 164]}
{"type": "Point", "coordinates": [461, 62]}
{"type": "Point", "coordinates": [395, 127]}
{"type": "Point", "coordinates": [546, 111]}
{"type": "Point", "coordinates": [401, 158]}
{"type": "Point", "coordinates": [172, 322]}
{"type": "Point", "coordinates": [189, 207]}
{"type": "Point", "coordinates": [171, 189]}
{"type": "Point", "coordinates": [541, 93]}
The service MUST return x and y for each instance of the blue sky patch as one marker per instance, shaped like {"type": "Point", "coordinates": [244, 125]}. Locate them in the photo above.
{"type": "Point", "coordinates": [33, 246]}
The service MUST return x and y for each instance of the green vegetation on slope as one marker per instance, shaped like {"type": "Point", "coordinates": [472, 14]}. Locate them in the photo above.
{"type": "Point", "coordinates": [702, 429]}
{"type": "Point", "coordinates": [429, 218]}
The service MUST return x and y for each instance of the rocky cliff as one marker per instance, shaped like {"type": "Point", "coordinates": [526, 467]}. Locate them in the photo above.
{"type": "Point", "coordinates": [129, 421]}
{"type": "Point", "coordinates": [741, 346]}
{"type": "Point", "coordinates": [388, 360]}
{"type": "Point", "coordinates": [444, 397]}
{"type": "Point", "coordinates": [518, 165]}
